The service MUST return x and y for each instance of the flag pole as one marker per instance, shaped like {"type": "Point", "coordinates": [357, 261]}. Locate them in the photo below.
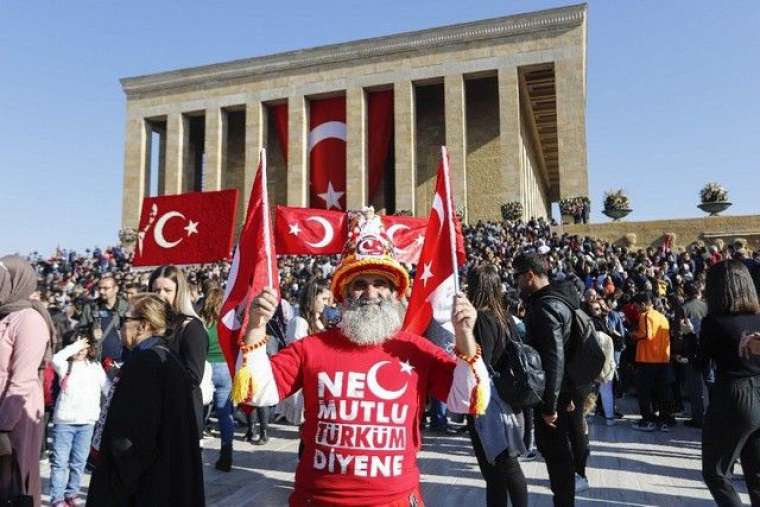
{"type": "Point", "coordinates": [450, 219]}
{"type": "Point", "coordinates": [267, 225]}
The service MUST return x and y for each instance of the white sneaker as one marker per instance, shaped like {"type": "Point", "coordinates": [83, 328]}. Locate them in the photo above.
{"type": "Point", "coordinates": [581, 484]}
{"type": "Point", "coordinates": [611, 422]}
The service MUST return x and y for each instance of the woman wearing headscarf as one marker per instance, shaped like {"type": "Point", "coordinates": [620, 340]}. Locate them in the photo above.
{"type": "Point", "coordinates": [25, 333]}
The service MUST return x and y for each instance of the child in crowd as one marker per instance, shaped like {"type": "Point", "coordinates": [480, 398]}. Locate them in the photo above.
{"type": "Point", "coordinates": [82, 380]}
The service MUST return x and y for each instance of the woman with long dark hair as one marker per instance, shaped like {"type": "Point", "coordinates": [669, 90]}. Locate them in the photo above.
{"type": "Point", "coordinates": [314, 296]}
{"type": "Point", "coordinates": [189, 339]}
{"type": "Point", "coordinates": [220, 374]}
{"type": "Point", "coordinates": [732, 423]}
{"type": "Point", "coordinates": [493, 328]}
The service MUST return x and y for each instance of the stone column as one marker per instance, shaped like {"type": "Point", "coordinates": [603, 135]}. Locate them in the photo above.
{"type": "Point", "coordinates": [509, 136]}
{"type": "Point", "coordinates": [136, 170]}
{"type": "Point", "coordinates": [175, 139]}
{"type": "Point", "coordinates": [298, 162]}
{"type": "Point", "coordinates": [456, 137]}
{"type": "Point", "coordinates": [571, 126]}
{"type": "Point", "coordinates": [405, 141]}
{"type": "Point", "coordinates": [215, 140]}
{"type": "Point", "coordinates": [255, 134]}
{"type": "Point", "coordinates": [356, 149]}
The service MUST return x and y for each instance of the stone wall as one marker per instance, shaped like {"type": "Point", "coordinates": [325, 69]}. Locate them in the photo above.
{"type": "Point", "coordinates": [484, 177]}
{"type": "Point", "coordinates": [431, 135]}
{"type": "Point", "coordinates": [684, 231]}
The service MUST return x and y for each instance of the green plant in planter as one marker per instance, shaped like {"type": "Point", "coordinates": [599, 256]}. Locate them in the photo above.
{"type": "Point", "coordinates": [713, 199]}
{"type": "Point", "coordinates": [713, 192]}
{"type": "Point", "coordinates": [512, 210]}
{"type": "Point", "coordinates": [616, 204]}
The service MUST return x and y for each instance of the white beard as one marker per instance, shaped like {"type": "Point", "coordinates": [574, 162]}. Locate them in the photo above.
{"type": "Point", "coordinates": [373, 322]}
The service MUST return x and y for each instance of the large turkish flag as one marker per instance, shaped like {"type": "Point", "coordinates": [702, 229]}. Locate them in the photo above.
{"type": "Point", "coordinates": [327, 153]}
{"type": "Point", "coordinates": [190, 228]}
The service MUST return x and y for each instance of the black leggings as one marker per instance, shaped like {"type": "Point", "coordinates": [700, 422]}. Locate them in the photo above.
{"type": "Point", "coordinates": [504, 479]}
{"type": "Point", "coordinates": [731, 431]}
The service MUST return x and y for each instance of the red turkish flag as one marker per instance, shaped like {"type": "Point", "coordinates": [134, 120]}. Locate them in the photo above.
{"type": "Point", "coordinates": [408, 236]}
{"type": "Point", "coordinates": [279, 115]}
{"type": "Point", "coordinates": [254, 267]}
{"type": "Point", "coordinates": [188, 228]}
{"type": "Point", "coordinates": [327, 153]}
{"type": "Point", "coordinates": [304, 231]}
{"type": "Point", "coordinates": [379, 136]}
{"type": "Point", "coordinates": [435, 282]}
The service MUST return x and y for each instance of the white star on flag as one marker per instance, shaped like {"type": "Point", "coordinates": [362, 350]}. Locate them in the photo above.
{"type": "Point", "coordinates": [294, 229]}
{"type": "Point", "coordinates": [406, 367]}
{"type": "Point", "coordinates": [420, 240]}
{"type": "Point", "coordinates": [331, 197]}
{"type": "Point", "coordinates": [191, 228]}
{"type": "Point", "coordinates": [426, 273]}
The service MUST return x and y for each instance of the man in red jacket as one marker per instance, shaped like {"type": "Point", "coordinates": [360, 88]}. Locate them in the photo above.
{"type": "Point", "coordinates": [365, 382]}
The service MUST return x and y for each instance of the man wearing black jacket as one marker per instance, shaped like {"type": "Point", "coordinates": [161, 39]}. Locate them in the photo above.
{"type": "Point", "coordinates": [558, 422]}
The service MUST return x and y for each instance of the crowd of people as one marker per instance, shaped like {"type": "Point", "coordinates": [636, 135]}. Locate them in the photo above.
{"type": "Point", "coordinates": [682, 327]}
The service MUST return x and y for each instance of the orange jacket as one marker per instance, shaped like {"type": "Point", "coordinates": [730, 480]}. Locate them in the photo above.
{"type": "Point", "coordinates": [653, 338]}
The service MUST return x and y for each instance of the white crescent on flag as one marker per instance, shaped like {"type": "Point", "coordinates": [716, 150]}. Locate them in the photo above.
{"type": "Point", "coordinates": [327, 130]}
{"type": "Point", "coordinates": [328, 232]}
{"type": "Point", "coordinates": [158, 231]}
{"type": "Point", "coordinates": [438, 207]}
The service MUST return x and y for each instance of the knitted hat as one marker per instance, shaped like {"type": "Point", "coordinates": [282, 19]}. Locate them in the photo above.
{"type": "Point", "coordinates": [368, 251]}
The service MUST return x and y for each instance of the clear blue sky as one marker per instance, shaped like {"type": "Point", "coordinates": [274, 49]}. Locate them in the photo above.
{"type": "Point", "coordinates": [672, 94]}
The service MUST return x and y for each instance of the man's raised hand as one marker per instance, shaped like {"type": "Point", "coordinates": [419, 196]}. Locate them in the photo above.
{"type": "Point", "coordinates": [261, 311]}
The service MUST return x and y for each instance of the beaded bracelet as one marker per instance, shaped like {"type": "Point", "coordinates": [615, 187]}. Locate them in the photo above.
{"type": "Point", "coordinates": [468, 359]}
{"type": "Point", "coordinates": [248, 347]}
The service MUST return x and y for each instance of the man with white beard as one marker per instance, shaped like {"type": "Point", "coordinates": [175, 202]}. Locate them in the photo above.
{"type": "Point", "coordinates": [366, 382]}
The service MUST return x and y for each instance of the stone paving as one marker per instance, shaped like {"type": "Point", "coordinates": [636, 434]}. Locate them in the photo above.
{"type": "Point", "coordinates": [626, 468]}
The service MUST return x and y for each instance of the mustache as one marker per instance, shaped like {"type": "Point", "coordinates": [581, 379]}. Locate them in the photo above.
{"type": "Point", "coordinates": [365, 302]}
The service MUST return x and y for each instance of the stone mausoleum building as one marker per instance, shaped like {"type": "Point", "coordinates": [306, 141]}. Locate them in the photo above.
{"type": "Point", "coordinates": [506, 95]}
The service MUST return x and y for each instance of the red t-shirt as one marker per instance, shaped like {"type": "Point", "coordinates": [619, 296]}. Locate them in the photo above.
{"type": "Point", "coordinates": [362, 407]}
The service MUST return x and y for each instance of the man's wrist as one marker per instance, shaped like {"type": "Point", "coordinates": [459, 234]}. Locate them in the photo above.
{"type": "Point", "coordinates": [255, 335]}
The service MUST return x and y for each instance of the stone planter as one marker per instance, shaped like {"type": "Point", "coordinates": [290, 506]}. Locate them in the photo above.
{"type": "Point", "coordinates": [714, 208]}
{"type": "Point", "coordinates": [616, 213]}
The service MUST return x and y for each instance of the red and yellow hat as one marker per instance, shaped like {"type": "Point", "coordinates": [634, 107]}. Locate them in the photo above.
{"type": "Point", "coordinates": [368, 251]}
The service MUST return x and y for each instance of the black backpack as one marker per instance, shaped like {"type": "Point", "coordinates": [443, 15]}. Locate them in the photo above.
{"type": "Point", "coordinates": [519, 376]}
{"type": "Point", "coordinates": [586, 356]}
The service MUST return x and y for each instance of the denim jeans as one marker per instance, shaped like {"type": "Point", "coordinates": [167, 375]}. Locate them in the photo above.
{"type": "Point", "coordinates": [438, 414]}
{"type": "Point", "coordinates": [71, 446]}
{"type": "Point", "coordinates": [220, 376]}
